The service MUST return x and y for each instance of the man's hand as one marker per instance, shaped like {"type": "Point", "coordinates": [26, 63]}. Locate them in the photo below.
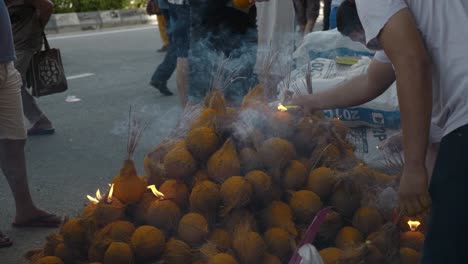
{"type": "Point", "coordinates": [45, 8]}
{"type": "Point", "coordinates": [413, 192]}
{"type": "Point", "coordinates": [307, 103]}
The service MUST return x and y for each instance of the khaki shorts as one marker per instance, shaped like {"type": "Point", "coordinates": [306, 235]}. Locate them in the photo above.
{"type": "Point", "coordinates": [11, 109]}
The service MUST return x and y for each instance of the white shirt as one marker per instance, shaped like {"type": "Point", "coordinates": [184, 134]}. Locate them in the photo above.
{"type": "Point", "coordinates": [336, 3]}
{"type": "Point", "coordinates": [443, 26]}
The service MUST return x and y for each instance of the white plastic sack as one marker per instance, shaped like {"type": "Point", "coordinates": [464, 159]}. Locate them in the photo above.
{"type": "Point", "coordinates": [383, 111]}
{"type": "Point", "coordinates": [309, 255]}
{"type": "Point", "coordinates": [328, 44]}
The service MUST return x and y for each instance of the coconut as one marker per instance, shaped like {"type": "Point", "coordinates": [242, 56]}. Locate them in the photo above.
{"type": "Point", "coordinates": [321, 182]}
{"type": "Point", "coordinates": [154, 162]}
{"type": "Point", "coordinates": [409, 256]}
{"type": "Point", "coordinates": [66, 254]}
{"type": "Point", "coordinates": [367, 220]}
{"type": "Point", "coordinates": [410, 239]}
{"type": "Point", "coordinates": [237, 218]}
{"type": "Point", "coordinates": [224, 163]}
{"type": "Point", "coordinates": [193, 229]}
{"type": "Point", "coordinates": [119, 231]}
{"type": "Point", "coordinates": [270, 259]}
{"type": "Point", "coordinates": [254, 97]}
{"type": "Point", "coordinates": [281, 124]}
{"type": "Point", "coordinates": [340, 128]}
{"type": "Point", "coordinates": [278, 242]}
{"type": "Point", "coordinates": [179, 163]}
{"type": "Point", "coordinates": [148, 243]}
{"type": "Point", "coordinates": [206, 117]}
{"type": "Point", "coordinates": [279, 214]}
{"type": "Point", "coordinates": [249, 246]}
{"type": "Point", "coordinates": [118, 253]}
{"type": "Point", "coordinates": [98, 249]}
{"type": "Point", "coordinates": [331, 255]}
{"type": "Point", "coordinates": [330, 227]}
{"type": "Point", "coordinates": [49, 260]}
{"type": "Point", "coordinates": [128, 187]}
{"type": "Point", "coordinates": [295, 175]}
{"type": "Point", "coordinates": [346, 197]}
{"type": "Point", "coordinates": [164, 215]}
{"type": "Point", "coordinates": [276, 153]}
{"type": "Point", "coordinates": [236, 192]}
{"type": "Point", "coordinates": [51, 243]}
{"type": "Point", "coordinates": [74, 233]}
{"type": "Point", "coordinates": [262, 186]}
{"type": "Point", "coordinates": [306, 135]}
{"type": "Point", "coordinates": [176, 192]}
{"type": "Point", "coordinates": [139, 212]}
{"type": "Point", "coordinates": [215, 100]}
{"type": "Point", "coordinates": [202, 142]}
{"type": "Point", "coordinates": [221, 239]}
{"type": "Point", "coordinates": [373, 255]}
{"type": "Point", "coordinates": [205, 198]}
{"type": "Point", "coordinates": [88, 210]}
{"type": "Point", "coordinates": [348, 237]}
{"type": "Point", "coordinates": [108, 212]}
{"type": "Point", "coordinates": [305, 205]}
{"type": "Point", "coordinates": [249, 160]}
{"type": "Point", "coordinates": [222, 258]}
{"type": "Point", "coordinates": [200, 176]}
{"type": "Point", "coordinates": [177, 252]}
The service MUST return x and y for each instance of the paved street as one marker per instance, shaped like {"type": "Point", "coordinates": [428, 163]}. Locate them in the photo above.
{"type": "Point", "coordinates": [108, 71]}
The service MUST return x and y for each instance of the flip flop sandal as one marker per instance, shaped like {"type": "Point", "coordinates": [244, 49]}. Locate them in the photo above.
{"type": "Point", "coordinates": [40, 131]}
{"type": "Point", "coordinates": [41, 221]}
{"type": "Point", "coordinates": [5, 241]}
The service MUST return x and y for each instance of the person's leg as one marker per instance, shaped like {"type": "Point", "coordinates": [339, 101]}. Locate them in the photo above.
{"type": "Point", "coordinates": [333, 17]}
{"type": "Point", "coordinates": [326, 14]}
{"type": "Point", "coordinates": [447, 230]}
{"type": "Point", "coordinates": [12, 157]}
{"type": "Point", "coordinates": [162, 26]}
{"type": "Point", "coordinates": [312, 13]}
{"type": "Point", "coordinates": [300, 12]}
{"type": "Point", "coordinates": [36, 117]}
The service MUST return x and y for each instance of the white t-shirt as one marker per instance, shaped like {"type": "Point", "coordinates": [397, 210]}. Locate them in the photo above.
{"type": "Point", "coordinates": [443, 26]}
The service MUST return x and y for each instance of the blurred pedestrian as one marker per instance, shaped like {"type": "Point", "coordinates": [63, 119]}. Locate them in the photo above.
{"type": "Point", "coordinates": [28, 20]}
{"type": "Point", "coordinates": [334, 8]}
{"type": "Point", "coordinates": [327, 4]}
{"type": "Point", "coordinates": [163, 24]}
{"type": "Point", "coordinates": [13, 137]}
{"type": "Point", "coordinates": [307, 12]}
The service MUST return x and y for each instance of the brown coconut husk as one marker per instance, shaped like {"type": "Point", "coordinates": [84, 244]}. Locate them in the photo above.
{"type": "Point", "coordinates": [236, 192]}
{"type": "Point", "coordinates": [410, 239]}
{"type": "Point", "coordinates": [176, 192]}
{"type": "Point", "coordinates": [295, 175]}
{"type": "Point", "coordinates": [386, 239]}
{"type": "Point", "coordinates": [409, 256]}
{"type": "Point", "coordinates": [107, 211]}
{"type": "Point", "coordinates": [248, 245]}
{"type": "Point", "coordinates": [74, 233]}
{"type": "Point", "coordinates": [49, 260]}
{"type": "Point", "coordinates": [193, 229]}
{"type": "Point", "coordinates": [262, 186]}
{"type": "Point", "coordinates": [52, 241]}
{"type": "Point", "coordinates": [222, 258]}
{"type": "Point", "coordinates": [276, 153]}
{"type": "Point", "coordinates": [329, 228]}
{"type": "Point", "coordinates": [348, 237]}
{"type": "Point", "coordinates": [250, 160]}
{"type": "Point", "coordinates": [205, 198]}
{"type": "Point", "coordinates": [331, 255]}
{"type": "Point", "coordinates": [281, 124]}
{"type": "Point", "coordinates": [199, 177]}
{"type": "Point", "coordinates": [270, 259]}
{"type": "Point", "coordinates": [98, 249]}
{"type": "Point", "coordinates": [154, 162]}
{"type": "Point", "coordinates": [237, 218]}
{"type": "Point", "coordinates": [367, 220]}
{"type": "Point", "coordinates": [119, 231]}
{"type": "Point", "coordinates": [346, 197]}
{"type": "Point", "coordinates": [279, 214]}
{"type": "Point", "coordinates": [139, 212]}
{"type": "Point", "coordinates": [177, 252]}
{"type": "Point", "coordinates": [306, 135]}
{"type": "Point", "coordinates": [179, 163]}
{"type": "Point", "coordinates": [202, 142]}
{"type": "Point", "coordinates": [279, 242]}
{"type": "Point", "coordinates": [224, 163]}
{"type": "Point", "coordinates": [305, 205]}
{"type": "Point", "coordinates": [67, 254]}
{"type": "Point", "coordinates": [119, 253]}
{"type": "Point", "coordinates": [148, 243]}
{"type": "Point", "coordinates": [221, 239]}
{"type": "Point", "coordinates": [164, 215]}
{"type": "Point", "coordinates": [321, 181]}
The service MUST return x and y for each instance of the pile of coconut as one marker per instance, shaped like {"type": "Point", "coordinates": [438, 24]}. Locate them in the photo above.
{"type": "Point", "coordinates": [240, 185]}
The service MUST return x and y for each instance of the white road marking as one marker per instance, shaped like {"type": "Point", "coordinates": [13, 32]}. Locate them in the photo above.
{"type": "Point", "coordinates": [84, 75]}
{"type": "Point", "coordinates": [152, 27]}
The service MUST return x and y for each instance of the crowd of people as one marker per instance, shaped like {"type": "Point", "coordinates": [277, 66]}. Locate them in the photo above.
{"type": "Point", "coordinates": [420, 44]}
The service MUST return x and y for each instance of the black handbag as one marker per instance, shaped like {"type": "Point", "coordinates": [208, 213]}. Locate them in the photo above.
{"type": "Point", "coordinates": [46, 73]}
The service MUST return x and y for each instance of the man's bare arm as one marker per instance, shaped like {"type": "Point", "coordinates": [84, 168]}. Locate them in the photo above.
{"type": "Point", "coordinates": [358, 90]}
{"type": "Point", "coordinates": [45, 8]}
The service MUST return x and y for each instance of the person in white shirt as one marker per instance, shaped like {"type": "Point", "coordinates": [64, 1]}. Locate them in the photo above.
{"type": "Point", "coordinates": [422, 45]}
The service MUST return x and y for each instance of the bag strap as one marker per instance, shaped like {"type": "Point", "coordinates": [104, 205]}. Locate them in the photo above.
{"type": "Point", "coordinates": [46, 42]}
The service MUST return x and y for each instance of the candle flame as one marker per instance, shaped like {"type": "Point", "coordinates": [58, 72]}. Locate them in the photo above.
{"type": "Point", "coordinates": [155, 191]}
{"type": "Point", "coordinates": [413, 225]}
{"type": "Point", "coordinates": [282, 108]}
{"type": "Point", "coordinates": [95, 200]}
{"type": "Point", "coordinates": [111, 192]}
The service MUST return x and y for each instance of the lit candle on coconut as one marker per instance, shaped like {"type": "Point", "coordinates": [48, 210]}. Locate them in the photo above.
{"type": "Point", "coordinates": [412, 239]}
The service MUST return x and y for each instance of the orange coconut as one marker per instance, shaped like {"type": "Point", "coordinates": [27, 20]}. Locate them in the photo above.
{"type": "Point", "coordinates": [348, 237]}
{"type": "Point", "coordinates": [128, 187]}
{"type": "Point", "coordinates": [118, 253]}
{"type": "Point", "coordinates": [331, 255]}
{"type": "Point", "coordinates": [295, 175]}
{"type": "Point", "coordinates": [224, 163]}
{"type": "Point", "coordinates": [148, 243]}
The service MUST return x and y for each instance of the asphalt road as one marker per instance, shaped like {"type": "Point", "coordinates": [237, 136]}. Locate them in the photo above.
{"type": "Point", "coordinates": [109, 71]}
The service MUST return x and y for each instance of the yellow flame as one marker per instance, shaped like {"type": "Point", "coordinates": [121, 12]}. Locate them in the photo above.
{"type": "Point", "coordinates": [282, 108]}
{"type": "Point", "coordinates": [155, 191]}
{"type": "Point", "coordinates": [413, 225]}
{"type": "Point", "coordinates": [111, 192]}
{"type": "Point", "coordinates": [95, 200]}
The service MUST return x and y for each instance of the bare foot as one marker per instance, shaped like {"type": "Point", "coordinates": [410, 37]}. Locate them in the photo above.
{"type": "Point", "coordinates": [37, 218]}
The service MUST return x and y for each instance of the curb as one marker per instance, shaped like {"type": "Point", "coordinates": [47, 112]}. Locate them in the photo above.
{"type": "Point", "coordinates": [72, 22]}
